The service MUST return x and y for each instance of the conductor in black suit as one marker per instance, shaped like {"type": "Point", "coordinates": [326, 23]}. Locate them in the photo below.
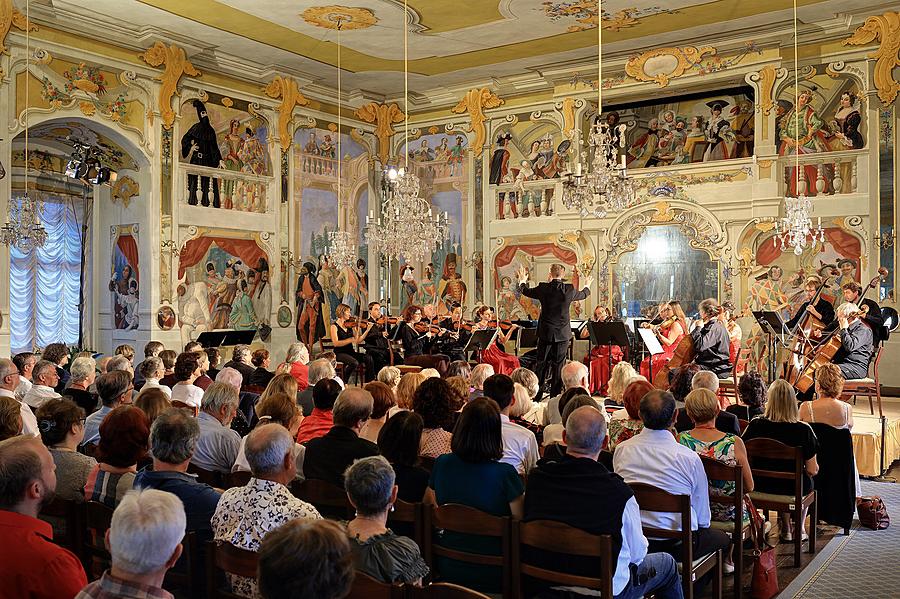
{"type": "Point", "coordinates": [554, 329]}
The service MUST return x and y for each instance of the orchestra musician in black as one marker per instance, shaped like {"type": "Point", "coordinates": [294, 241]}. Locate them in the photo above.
{"type": "Point", "coordinates": [711, 340]}
{"type": "Point", "coordinates": [376, 342]}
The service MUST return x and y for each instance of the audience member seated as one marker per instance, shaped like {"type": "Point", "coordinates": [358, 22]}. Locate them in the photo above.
{"type": "Point", "coordinates": [319, 370]}
{"type": "Point", "coordinates": [577, 490]}
{"type": "Point", "coordinates": [58, 355]}
{"type": "Point", "coordinates": [9, 383]}
{"type": "Point", "coordinates": [261, 375]}
{"type": "Point", "coordinates": [46, 379]}
{"type": "Point", "coordinates": [520, 448]}
{"type": "Point", "coordinates": [377, 550]}
{"type": "Point", "coordinates": [459, 368]}
{"type": "Point", "coordinates": [281, 383]}
{"type": "Point", "coordinates": [573, 374]}
{"type": "Point", "coordinates": [553, 432]}
{"type": "Point", "coordinates": [144, 542]}
{"type": "Point", "coordinates": [83, 372]}
{"type": "Point", "coordinates": [282, 410]}
{"type": "Point", "coordinates": [725, 421]}
{"type": "Point", "coordinates": [123, 443]}
{"type": "Point", "coordinates": [61, 423]}
{"type": "Point", "coordinates": [115, 389]}
{"type": "Point", "coordinates": [168, 357]}
{"type": "Point", "coordinates": [706, 379]}
{"type": "Point", "coordinates": [557, 450]}
{"type": "Point", "coordinates": [431, 402]}
{"type": "Point", "coordinates": [102, 361]}
{"type": "Point", "coordinates": [399, 442]}
{"type": "Point", "coordinates": [622, 374]}
{"type": "Point", "coordinates": [240, 361]}
{"type": "Point", "coordinates": [626, 423]}
{"type": "Point", "coordinates": [654, 457]}
{"type": "Point", "coordinates": [751, 397]}
{"type": "Point", "coordinates": [702, 406]}
{"type": "Point", "coordinates": [327, 457]}
{"type": "Point", "coordinates": [306, 558]}
{"type": "Point", "coordinates": [681, 382]}
{"type": "Point", "coordinates": [204, 380]}
{"type": "Point", "coordinates": [32, 565]}
{"type": "Point", "coordinates": [332, 358]}
{"type": "Point", "coordinates": [24, 362]}
{"type": "Point", "coordinates": [296, 364]}
{"type": "Point", "coordinates": [406, 389]}
{"type": "Point", "coordinates": [215, 361]}
{"type": "Point", "coordinates": [390, 376]}
{"type": "Point", "coordinates": [152, 370]}
{"type": "Point", "coordinates": [10, 417]}
{"type": "Point", "coordinates": [184, 391]}
{"type": "Point", "coordinates": [246, 514]}
{"type": "Point", "coordinates": [173, 438]}
{"type": "Point", "coordinates": [479, 374]}
{"type": "Point", "coordinates": [781, 422]}
{"type": "Point", "coordinates": [120, 363]}
{"type": "Point", "coordinates": [473, 475]}
{"type": "Point", "coordinates": [231, 377]}
{"type": "Point", "coordinates": [191, 346]}
{"type": "Point", "coordinates": [126, 351]}
{"type": "Point", "coordinates": [151, 350]}
{"type": "Point", "coordinates": [527, 379]}
{"type": "Point", "coordinates": [217, 447]}
{"type": "Point", "coordinates": [321, 420]}
{"type": "Point", "coordinates": [459, 395]}
{"type": "Point", "coordinates": [828, 408]}
{"type": "Point", "coordinates": [383, 400]}
{"type": "Point", "coordinates": [153, 401]}
{"type": "Point", "coordinates": [527, 413]}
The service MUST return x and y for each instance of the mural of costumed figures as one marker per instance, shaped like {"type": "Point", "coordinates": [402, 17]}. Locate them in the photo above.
{"type": "Point", "coordinates": [223, 295]}
{"type": "Point", "coordinates": [124, 283]}
{"type": "Point", "coordinates": [193, 309]}
{"type": "Point", "coordinates": [261, 292]}
{"type": "Point", "coordinates": [356, 292]}
{"type": "Point", "coordinates": [718, 133]}
{"type": "Point", "coordinates": [199, 146]}
{"type": "Point", "coordinates": [242, 317]}
{"type": "Point", "coordinates": [428, 288]}
{"type": "Point", "coordinates": [802, 130]}
{"type": "Point", "coordinates": [309, 293]}
{"type": "Point", "coordinates": [230, 150]}
{"type": "Point", "coordinates": [508, 306]}
{"type": "Point", "coordinates": [408, 283]}
{"type": "Point", "coordinates": [333, 283]}
{"type": "Point", "coordinates": [452, 289]}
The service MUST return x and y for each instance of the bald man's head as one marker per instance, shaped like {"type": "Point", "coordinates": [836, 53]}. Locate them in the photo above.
{"type": "Point", "coordinates": [266, 448]}
{"type": "Point", "coordinates": [657, 409]}
{"type": "Point", "coordinates": [585, 431]}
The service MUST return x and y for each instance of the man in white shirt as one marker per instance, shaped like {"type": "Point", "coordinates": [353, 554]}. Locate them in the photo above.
{"type": "Point", "coordinates": [25, 362]}
{"type": "Point", "coordinates": [520, 448]}
{"type": "Point", "coordinates": [9, 381]}
{"type": "Point", "coordinates": [573, 374]}
{"type": "Point", "coordinates": [217, 447]}
{"type": "Point", "coordinates": [655, 458]}
{"type": "Point", "coordinates": [45, 379]}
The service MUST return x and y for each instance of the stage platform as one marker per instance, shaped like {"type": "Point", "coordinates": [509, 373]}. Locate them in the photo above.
{"type": "Point", "coordinates": [867, 436]}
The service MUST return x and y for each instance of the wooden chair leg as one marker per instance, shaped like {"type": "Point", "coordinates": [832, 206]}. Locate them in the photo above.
{"type": "Point", "coordinates": [813, 518]}
{"type": "Point", "coordinates": [717, 576]}
{"type": "Point", "coordinates": [798, 534]}
{"type": "Point", "coordinates": [738, 559]}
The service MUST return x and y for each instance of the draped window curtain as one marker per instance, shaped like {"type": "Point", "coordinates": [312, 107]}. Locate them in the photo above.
{"type": "Point", "coordinates": [44, 283]}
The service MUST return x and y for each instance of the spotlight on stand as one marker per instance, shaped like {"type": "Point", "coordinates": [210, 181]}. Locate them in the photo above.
{"type": "Point", "coordinates": [85, 165]}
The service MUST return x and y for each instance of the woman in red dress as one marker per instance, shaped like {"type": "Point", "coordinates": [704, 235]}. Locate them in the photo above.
{"type": "Point", "coordinates": [734, 330]}
{"type": "Point", "coordinates": [669, 332]}
{"type": "Point", "coordinates": [601, 358]}
{"type": "Point", "coordinates": [494, 355]}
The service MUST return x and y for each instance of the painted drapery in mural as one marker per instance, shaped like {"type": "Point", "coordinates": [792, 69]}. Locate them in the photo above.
{"type": "Point", "coordinates": [536, 258]}
{"type": "Point", "coordinates": [124, 283]}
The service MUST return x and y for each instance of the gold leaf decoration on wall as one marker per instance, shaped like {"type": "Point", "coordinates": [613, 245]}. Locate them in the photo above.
{"type": "Point", "coordinates": [766, 78]}
{"type": "Point", "coordinates": [384, 116]}
{"type": "Point", "coordinates": [349, 17]}
{"type": "Point", "coordinates": [11, 17]}
{"type": "Point", "coordinates": [285, 88]}
{"type": "Point", "coordinates": [176, 66]}
{"type": "Point", "coordinates": [124, 189]}
{"type": "Point", "coordinates": [885, 29]}
{"type": "Point", "coordinates": [664, 64]}
{"type": "Point", "coordinates": [474, 102]}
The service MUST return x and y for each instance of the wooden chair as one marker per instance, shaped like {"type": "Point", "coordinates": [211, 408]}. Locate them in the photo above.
{"type": "Point", "coordinates": [209, 477]}
{"type": "Point", "coordinates": [97, 520]}
{"type": "Point", "coordinates": [253, 389]}
{"type": "Point", "coordinates": [467, 520]}
{"type": "Point", "coordinates": [743, 424]}
{"type": "Point", "coordinates": [738, 531]}
{"type": "Point", "coordinates": [653, 499]}
{"type": "Point", "coordinates": [182, 576]}
{"type": "Point", "coordinates": [770, 449]}
{"type": "Point", "coordinates": [405, 368]}
{"type": "Point", "coordinates": [329, 499]}
{"type": "Point", "coordinates": [409, 519]}
{"type": "Point", "coordinates": [868, 387]}
{"type": "Point", "coordinates": [366, 587]}
{"type": "Point", "coordinates": [426, 462]}
{"type": "Point", "coordinates": [224, 557]}
{"type": "Point", "coordinates": [728, 388]}
{"type": "Point", "coordinates": [556, 537]}
{"type": "Point", "coordinates": [88, 449]}
{"type": "Point", "coordinates": [444, 590]}
{"type": "Point", "coordinates": [237, 479]}
{"type": "Point", "coordinates": [70, 513]}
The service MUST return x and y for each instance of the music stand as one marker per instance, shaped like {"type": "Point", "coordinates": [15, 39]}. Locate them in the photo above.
{"type": "Point", "coordinates": [527, 338]}
{"type": "Point", "coordinates": [772, 325]}
{"type": "Point", "coordinates": [212, 338]}
{"type": "Point", "coordinates": [480, 340]}
{"type": "Point", "coordinates": [239, 337]}
{"type": "Point", "coordinates": [651, 344]}
{"type": "Point", "coordinates": [608, 334]}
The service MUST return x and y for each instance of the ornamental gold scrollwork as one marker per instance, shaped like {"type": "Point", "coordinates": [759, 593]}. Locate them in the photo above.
{"type": "Point", "coordinates": [11, 17]}
{"type": "Point", "coordinates": [345, 17]}
{"type": "Point", "coordinates": [765, 79]}
{"type": "Point", "coordinates": [885, 29]}
{"type": "Point", "coordinates": [124, 189]}
{"type": "Point", "coordinates": [384, 116]}
{"type": "Point", "coordinates": [177, 65]}
{"type": "Point", "coordinates": [664, 64]}
{"type": "Point", "coordinates": [291, 97]}
{"type": "Point", "coordinates": [474, 102]}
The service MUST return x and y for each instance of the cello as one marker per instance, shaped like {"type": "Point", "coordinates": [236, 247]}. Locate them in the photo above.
{"type": "Point", "coordinates": [684, 353]}
{"type": "Point", "coordinates": [802, 334]}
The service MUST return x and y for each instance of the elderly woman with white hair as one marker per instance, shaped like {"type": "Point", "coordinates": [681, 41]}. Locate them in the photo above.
{"type": "Point", "coordinates": [152, 369]}
{"type": "Point", "coordinates": [377, 550]}
{"type": "Point", "coordinates": [295, 364]}
{"type": "Point", "coordinates": [476, 381]}
{"type": "Point", "coordinates": [526, 412]}
{"type": "Point", "coordinates": [82, 373]}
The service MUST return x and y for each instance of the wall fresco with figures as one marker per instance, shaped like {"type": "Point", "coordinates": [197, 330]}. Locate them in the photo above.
{"type": "Point", "coordinates": [124, 282]}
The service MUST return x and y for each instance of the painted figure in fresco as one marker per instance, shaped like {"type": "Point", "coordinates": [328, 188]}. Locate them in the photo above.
{"type": "Point", "coordinates": [451, 289]}
{"type": "Point", "coordinates": [442, 152]}
{"type": "Point", "coordinates": [119, 286]}
{"type": "Point", "coordinates": [193, 309]}
{"type": "Point", "coordinates": [802, 130]}
{"type": "Point", "coordinates": [643, 148]}
{"type": "Point", "coordinates": [353, 292]}
{"type": "Point", "coordinates": [310, 327]}
{"type": "Point", "coordinates": [847, 120]}
{"type": "Point", "coordinates": [199, 146]}
{"type": "Point", "coordinates": [242, 317]}
{"type": "Point", "coordinates": [500, 160]}
{"type": "Point", "coordinates": [128, 304]}
{"type": "Point", "coordinates": [428, 287]}
{"type": "Point", "coordinates": [667, 120]}
{"type": "Point", "coordinates": [424, 153]}
{"type": "Point", "coordinates": [782, 108]}
{"type": "Point", "coordinates": [716, 128]}
{"type": "Point", "coordinates": [253, 160]}
{"type": "Point", "coordinates": [261, 292]}
{"type": "Point", "coordinates": [455, 160]}
{"type": "Point", "coordinates": [848, 272]}
{"type": "Point", "coordinates": [312, 146]}
{"type": "Point", "coordinates": [408, 281]}
{"type": "Point", "coordinates": [332, 282]}
{"type": "Point", "coordinates": [546, 164]}
{"type": "Point", "coordinates": [225, 293]}
{"type": "Point", "coordinates": [767, 293]}
{"type": "Point", "coordinates": [326, 148]}
{"type": "Point", "coordinates": [231, 147]}
{"type": "Point", "coordinates": [508, 306]}
{"type": "Point", "coordinates": [693, 136]}
{"type": "Point", "coordinates": [742, 125]}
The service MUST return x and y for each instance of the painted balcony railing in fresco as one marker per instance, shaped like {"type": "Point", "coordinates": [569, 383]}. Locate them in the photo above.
{"type": "Point", "coordinates": [831, 173]}
{"type": "Point", "coordinates": [527, 199]}
{"type": "Point", "coordinates": [316, 166]}
{"type": "Point", "coordinates": [433, 172]}
{"type": "Point", "coordinates": [224, 189]}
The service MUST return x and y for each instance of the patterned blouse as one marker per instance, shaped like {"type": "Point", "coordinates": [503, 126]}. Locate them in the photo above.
{"type": "Point", "coordinates": [622, 429]}
{"type": "Point", "coordinates": [435, 442]}
{"type": "Point", "coordinates": [722, 451]}
{"type": "Point", "coordinates": [245, 514]}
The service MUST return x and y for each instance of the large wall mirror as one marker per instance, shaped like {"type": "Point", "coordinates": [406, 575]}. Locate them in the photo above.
{"type": "Point", "coordinates": [664, 266]}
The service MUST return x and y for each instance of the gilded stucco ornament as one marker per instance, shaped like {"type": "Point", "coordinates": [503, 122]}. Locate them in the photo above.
{"type": "Point", "coordinates": [176, 66]}
{"type": "Point", "coordinates": [765, 79]}
{"type": "Point", "coordinates": [349, 17]}
{"type": "Point", "coordinates": [291, 97]}
{"type": "Point", "coordinates": [10, 17]}
{"type": "Point", "coordinates": [474, 102]}
{"type": "Point", "coordinates": [886, 30]}
{"type": "Point", "coordinates": [699, 225]}
{"type": "Point", "coordinates": [124, 189]}
{"type": "Point", "coordinates": [384, 116]}
{"type": "Point", "coordinates": [664, 64]}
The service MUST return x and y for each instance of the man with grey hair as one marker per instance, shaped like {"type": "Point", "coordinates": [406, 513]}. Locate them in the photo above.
{"type": "Point", "coordinates": [246, 514]}
{"type": "Point", "coordinates": [579, 491]}
{"type": "Point", "coordinates": [231, 377]}
{"type": "Point", "coordinates": [573, 374]}
{"type": "Point", "coordinates": [83, 372]}
{"type": "Point", "coordinates": [9, 381]}
{"type": "Point", "coordinates": [725, 421]}
{"type": "Point", "coordinates": [144, 541]}
{"type": "Point", "coordinates": [31, 565]}
{"type": "Point", "coordinates": [120, 363]}
{"type": "Point", "coordinates": [240, 361]}
{"type": "Point", "coordinates": [218, 445]}
{"type": "Point", "coordinates": [857, 342]}
{"type": "Point", "coordinates": [319, 370]}
{"type": "Point", "coordinates": [45, 378]}
{"type": "Point", "coordinates": [115, 389]}
{"type": "Point", "coordinates": [327, 457]}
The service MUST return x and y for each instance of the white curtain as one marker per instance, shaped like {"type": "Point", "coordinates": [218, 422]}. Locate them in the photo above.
{"type": "Point", "coordinates": [44, 283]}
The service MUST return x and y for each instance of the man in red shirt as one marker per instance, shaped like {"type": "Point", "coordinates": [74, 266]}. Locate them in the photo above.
{"type": "Point", "coordinates": [320, 421]}
{"type": "Point", "coordinates": [31, 565]}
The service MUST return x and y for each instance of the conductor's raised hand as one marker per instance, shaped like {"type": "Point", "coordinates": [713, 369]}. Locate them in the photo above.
{"type": "Point", "coordinates": [522, 274]}
{"type": "Point", "coordinates": [588, 281]}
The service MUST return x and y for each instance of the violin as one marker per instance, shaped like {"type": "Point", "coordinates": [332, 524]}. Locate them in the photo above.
{"type": "Point", "coordinates": [504, 325]}
{"type": "Point", "coordinates": [423, 327]}
{"type": "Point", "coordinates": [387, 320]}
{"type": "Point", "coordinates": [663, 325]}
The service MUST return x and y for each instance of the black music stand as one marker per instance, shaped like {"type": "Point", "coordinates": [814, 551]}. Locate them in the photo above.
{"type": "Point", "coordinates": [212, 338]}
{"type": "Point", "coordinates": [480, 341]}
{"type": "Point", "coordinates": [239, 337]}
{"type": "Point", "coordinates": [773, 326]}
{"type": "Point", "coordinates": [609, 333]}
{"type": "Point", "coordinates": [527, 338]}
{"type": "Point", "coordinates": [652, 345]}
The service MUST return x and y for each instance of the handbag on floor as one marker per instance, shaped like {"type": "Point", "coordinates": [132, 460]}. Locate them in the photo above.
{"type": "Point", "coordinates": [764, 583]}
{"type": "Point", "coordinates": [872, 512]}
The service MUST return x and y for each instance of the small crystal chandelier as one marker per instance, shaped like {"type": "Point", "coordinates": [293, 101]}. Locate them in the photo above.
{"type": "Point", "coordinates": [341, 249]}
{"type": "Point", "coordinates": [24, 230]}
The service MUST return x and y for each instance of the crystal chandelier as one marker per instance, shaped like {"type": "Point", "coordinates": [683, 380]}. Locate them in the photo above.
{"type": "Point", "coordinates": [24, 230]}
{"type": "Point", "coordinates": [341, 249]}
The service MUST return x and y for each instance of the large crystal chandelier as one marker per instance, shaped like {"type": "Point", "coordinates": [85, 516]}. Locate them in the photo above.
{"type": "Point", "coordinates": [24, 230]}
{"type": "Point", "coordinates": [606, 186]}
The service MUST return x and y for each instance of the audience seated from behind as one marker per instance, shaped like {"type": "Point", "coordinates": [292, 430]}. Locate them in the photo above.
{"type": "Point", "coordinates": [626, 423]}
{"type": "Point", "coordinates": [152, 370]}
{"type": "Point", "coordinates": [281, 410]}
{"type": "Point", "coordinates": [46, 379]}
{"type": "Point", "coordinates": [573, 374]}
{"type": "Point", "coordinates": [520, 448]}
{"type": "Point", "coordinates": [10, 417]}
{"type": "Point", "coordinates": [473, 475]}
{"type": "Point", "coordinates": [781, 422]}
{"type": "Point", "coordinates": [25, 362]}
{"type": "Point", "coordinates": [399, 442]}
{"type": "Point", "coordinates": [332, 358]}
{"type": "Point", "coordinates": [217, 447]}
{"type": "Point", "coordinates": [377, 550]}
{"type": "Point", "coordinates": [459, 395]}
{"type": "Point", "coordinates": [321, 420]}
{"type": "Point", "coordinates": [383, 400]}
{"type": "Point", "coordinates": [9, 385]}
{"type": "Point", "coordinates": [552, 433]}
{"type": "Point", "coordinates": [622, 374]}
{"type": "Point", "coordinates": [115, 389]}
{"type": "Point", "coordinates": [261, 376]}
{"type": "Point", "coordinates": [430, 401]}
{"type": "Point", "coordinates": [577, 490]}
{"type": "Point", "coordinates": [83, 372]}
{"type": "Point", "coordinates": [527, 413]}
{"type": "Point", "coordinates": [168, 357]}
{"type": "Point", "coordinates": [406, 389]}
{"type": "Point", "coordinates": [654, 457]}
{"type": "Point", "coordinates": [281, 383]}
{"type": "Point", "coordinates": [240, 360]}
{"type": "Point", "coordinates": [557, 449]}
{"type": "Point", "coordinates": [828, 408]}
{"type": "Point", "coordinates": [204, 380]}
{"type": "Point", "coordinates": [151, 350]}
{"type": "Point", "coordinates": [390, 376]}
{"type": "Point", "coordinates": [153, 401]}
{"type": "Point", "coordinates": [144, 542]}
{"type": "Point", "coordinates": [184, 391]}
{"type": "Point", "coordinates": [31, 564]}
{"type": "Point", "coordinates": [58, 355]}
{"type": "Point", "coordinates": [459, 368]}
{"type": "Point", "coordinates": [123, 443]}
{"type": "Point", "coordinates": [476, 380]}
{"type": "Point", "coordinates": [246, 514]}
{"type": "Point", "coordinates": [725, 421]}
{"type": "Point", "coordinates": [61, 423]}
{"type": "Point", "coordinates": [306, 558]}
{"type": "Point", "coordinates": [120, 363]}
{"type": "Point", "coordinates": [751, 397]}
{"type": "Point", "coordinates": [319, 370]}
{"type": "Point", "coordinates": [527, 379]}
{"type": "Point", "coordinates": [295, 363]}
{"type": "Point", "coordinates": [215, 361]}
{"type": "Point", "coordinates": [327, 457]}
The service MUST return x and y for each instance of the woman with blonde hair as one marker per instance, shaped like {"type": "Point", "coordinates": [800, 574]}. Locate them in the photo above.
{"type": "Point", "coordinates": [527, 379]}
{"type": "Point", "coordinates": [280, 383]}
{"type": "Point", "coordinates": [409, 382]}
{"type": "Point", "coordinates": [526, 412]}
{"type": "Point", "coordinates": [10, 417]}
{"type": "Point", "coordinates": [669, 332]}
{"type": "Point", "coordinates": [277, 408]}
{"type": "Point", "coordinates": [476, 380]}
{"type": "Point", "coordinates": [622, 373]}
{"type": "Point", "coordinates": [390, 376]}
{"type": "Point", "coordinates": [828, 408]}
{"type": "Point", "coordinates": [153, 401]}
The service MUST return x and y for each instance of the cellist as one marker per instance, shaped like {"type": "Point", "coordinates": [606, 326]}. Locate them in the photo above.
{"type": "Point", "coordinates": [857, 342]}
{"type": "Point", "coordinates": [822, 308]}
{"type": "Point", "coordinates": [711, 340]}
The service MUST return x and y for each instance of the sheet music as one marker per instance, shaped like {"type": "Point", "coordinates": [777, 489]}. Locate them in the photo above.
{"type": "Point", "coordinates": [650, 341]}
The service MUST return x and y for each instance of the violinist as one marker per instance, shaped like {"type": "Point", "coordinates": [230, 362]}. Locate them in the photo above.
{"type": "Point", "coordinates": [669, 332]}
{"type": "Point", "coordinates": [711, 340]}
{"type": "Point", "coordinates": [822, 309]}
{"type": "Point", "coordinates": [345, 333]}
{"type": "Point", "coordinates": [376, 341]}
{"type": "Point", "coordinates": [735, 334]}
{"type": "Point", "coordinates": [416, 344]}
{"type": "Point", "coordinates": [457, 333]}
{"type": "Point", "coordinates": [494, 355]}
{"type": "Point", "coordinates": [601, 357]}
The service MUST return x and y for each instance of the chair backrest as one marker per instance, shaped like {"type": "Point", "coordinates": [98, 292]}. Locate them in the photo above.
{"type": "Point", "coordinates": [740, 364]}
{"type": "Point", "coordinates": [716, 470]}
{"type": "Point", "coordinates": [237, 479]}
{"type": "Point", "coordinates": [88, 449]}
{"type": "Point", "coordinates": [213, 479]}
{"type": "Point", "coordinates": [653, 499]}
{"type": "Point", "coordinates": [97, 520]}
{"type": "Point", "coordinates": [225, 557]}
{"type": "Point", "coordinates": [743, 424]}
{"type": "Point", "coordinates": [876, 362]}
{"type": "Point", "coordinates": [556, 537]}
{"type": "Point", "coordinates": [366, 587]}
{"type": "Point", "coordinates": [72, 514]}
{"type": "Point", "coordinates": [326, 497]}
{"type": "Point", "coordinates": [770, 449]}
{"type": "Point", "coordinates": [411, 518]}
{"type": "Point", "coordinates": [183, 577]}
{"type": "Point", "coordinates": [426, 462]}
{"type": "Point", "coordinates": [444, 590]}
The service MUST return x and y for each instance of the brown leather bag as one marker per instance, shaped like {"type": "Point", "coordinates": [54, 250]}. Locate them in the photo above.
{"type": "Point", "coordinates": [764, 583]}
{"type": "Point", "coordinates": [872, 512]}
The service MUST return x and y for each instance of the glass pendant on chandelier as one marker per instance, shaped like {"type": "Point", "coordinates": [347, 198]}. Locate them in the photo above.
{"type": "Point", "coordinates": [24, 230]}
{"type": "Point", "coordinates": [795, 229]}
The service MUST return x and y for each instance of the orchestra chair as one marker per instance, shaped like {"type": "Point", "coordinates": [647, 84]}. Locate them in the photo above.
{"type": "Point", "coordinates": [444, 590]}
{"type": "Point", "coordinates": [181, 577]}
{"type": "Point", "coordinates": [736, 529]}
{"type": "Point", "coordinates": [653, 499]}
{"type": "Point", "coordinates": [97, 520]}
{"type": "Point", "coordinates": [467, 520]}
{"type": "Point", "coordinates": [868, 387]}
{"type": "Point", "coordinates": [728, 388]}
{"type": "Point", "coordinates": [71, 514]}
{"type": "Point", "coordinates": [566, 541]}
{"type": "Point", "coordinates": [366, 587]}
{"type": "Point", "coordinates": [88, 449]}
{"type": "Point", "coordinates": [222, 557]}
{"type": "Point", "coordinates": [329, 499]}
{"type": "Point", "coordinates": [408, 519]}
{"type": "Point", "coordinates": [770, 449]}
